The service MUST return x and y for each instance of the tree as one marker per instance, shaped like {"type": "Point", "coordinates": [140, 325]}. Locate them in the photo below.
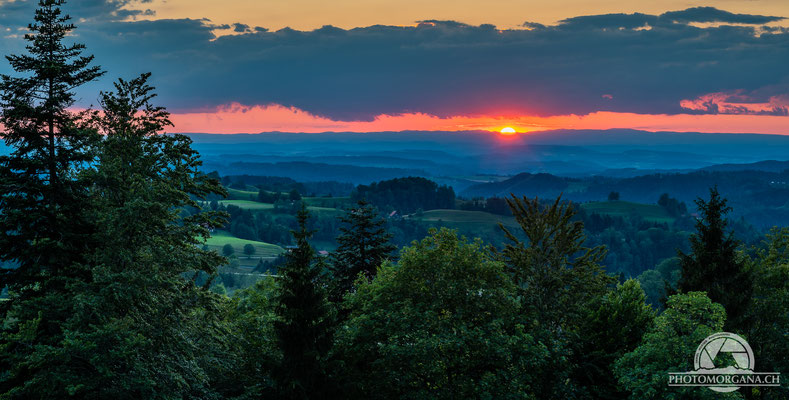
{"type": "Point", "coordinates": [264, 196]}
{"type": "Point", "coordinates": [559, 280]}
{"type": "Point", "coordinates": [613, 196]}
{"type": "Point", "coordinates": [553, 269]}
{"type": "Point", "coordinates": [441, 324]}
{"type": "Point", "coordinates": [294, 195]}
{"type": "Point", "coordinates": [138, 320]}
{"type": "Point", "coordinates": [615, 327]}
{"type": "Point", "coordinates": [252, 319]}
{"type": "Point", "coordinates": [228, 250]}
{"type": "Point", "coordinates": [45, 232]}
{"type": "Point", "coordinates": [363, 244]}
{"type": "Point", "coordinates": [669, 346]}
{"type": "Point", "coordinates": [249, 250]}
{"type": "Point", "coordinates": [304, 322]}
{"type": "Point", "coordinates": [713, 264]}
{"type": "Point", "coordinates": [768, 314]}
{"type": "Point", "coordinates": [41, 207]}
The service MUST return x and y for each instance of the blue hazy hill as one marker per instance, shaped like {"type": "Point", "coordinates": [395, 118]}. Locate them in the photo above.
{"type": "Point", "coordinates": [364, 157]}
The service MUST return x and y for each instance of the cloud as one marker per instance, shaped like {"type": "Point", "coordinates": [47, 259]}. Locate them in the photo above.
{"type": "Point", "coordinates": [237, 118]}
{"type": "Point", "coordinates": [772, 100]}
{"type": "Point", "coordinates": [711, 14]}
{"type": "Point", "coordinates": [683, 17]}
{"type": "Point", "coordinates": [241, 28]}
{"type": "Point", "coordinates": [624, 63]}
{"type": "Point", "coordinates": [21, 11]}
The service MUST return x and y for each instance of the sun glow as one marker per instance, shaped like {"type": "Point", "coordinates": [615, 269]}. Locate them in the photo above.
{"type": "Point", "coordinates": [508, 131]}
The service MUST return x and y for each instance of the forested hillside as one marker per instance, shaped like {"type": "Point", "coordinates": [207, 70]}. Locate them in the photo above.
{"type": "Point", "coordinates": [130, 273]}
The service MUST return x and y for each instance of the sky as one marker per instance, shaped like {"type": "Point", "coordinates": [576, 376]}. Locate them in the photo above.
{"type": "Point", "coordinates": [247, 66]}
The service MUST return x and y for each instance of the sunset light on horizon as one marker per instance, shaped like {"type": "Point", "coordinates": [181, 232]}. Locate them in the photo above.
{"type": "Point", "coordinates": [237, 118]}
{"type": "Point", "coordinates": [304, 66]}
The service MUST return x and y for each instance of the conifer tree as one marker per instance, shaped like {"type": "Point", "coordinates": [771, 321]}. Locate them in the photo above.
{"type": "Point", "coordinates": [556, 272]}
{"type": "Point", "coordinates": [560, 281]}
{"type": "Point", "coordinates": [713, 264]}
{"type": "Point", "coordinates": [140, 328]}
{"type": "Point", "coordinates": [363, 246]}
{"type": "Point", "coordinates": [304, 325]}
{"type": "Point", "coordinates": [42, 229]}
{"type": "Point", "coordinates": [45, 231]}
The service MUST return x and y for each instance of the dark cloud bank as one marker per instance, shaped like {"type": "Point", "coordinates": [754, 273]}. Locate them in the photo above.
{"type": "Point", "coordinates": [617, 62]}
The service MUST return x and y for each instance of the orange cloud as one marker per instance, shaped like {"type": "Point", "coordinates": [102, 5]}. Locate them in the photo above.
{"type": "Point", "coordinates": [237, 118]}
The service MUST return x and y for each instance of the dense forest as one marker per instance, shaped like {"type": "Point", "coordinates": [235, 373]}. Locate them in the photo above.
{"type": "Point", "coordinates": [113, 283]}
{"type": "Point", "coordinates": [406, 195]}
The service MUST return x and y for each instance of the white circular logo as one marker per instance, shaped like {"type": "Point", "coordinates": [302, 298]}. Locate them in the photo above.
{"type": "Point", "coordinates": [724, 353]}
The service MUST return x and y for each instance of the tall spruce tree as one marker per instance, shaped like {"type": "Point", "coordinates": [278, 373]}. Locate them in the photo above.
{"type": "Point", "coordinates": [45, 232]}
{"type": "Point", "coordinates": [363, 246]}
{"type": "Point", "coordinates": [304, 321]}
{"type": "Point", "coordinates": [42, 229]}
{"type": "Point", "coordinates": [139, 328]}
{"type": "Point", "coordinates": [713, 264]}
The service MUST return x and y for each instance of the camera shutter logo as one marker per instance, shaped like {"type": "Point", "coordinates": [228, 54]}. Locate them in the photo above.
{"type": "Point", "coordinates": [724, 362]}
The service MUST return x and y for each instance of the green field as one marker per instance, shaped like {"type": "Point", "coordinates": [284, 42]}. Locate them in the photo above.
{"type": "Point", "coordinates": [649, 212]}
{"type": "Point", "coordinates": [324, 210]}
{"type": "Point", "coordinates": [256, 206]}
{"type": "Point", "coordinates": [235, 194]}
{"type": "Point", "coordinates": [247, 204]}
{"type": "Point", "coordinates": [262, 250]}
{"type": "Point", "coordinates": [469, 219]}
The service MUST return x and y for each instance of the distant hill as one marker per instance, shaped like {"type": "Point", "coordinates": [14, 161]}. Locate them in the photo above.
{"type": "Point", "coordinates": [649, 212]}
{"type": "Point", "coordinates": [767, 166]}
{"type": "Point", "coordinates": [313, 172]}
{"type": "Point", "coordinates": [618, 152]}
{"type": "Point", "coordinates": [535, 184]}
{"type": "Point", "coordinates": [762, 197]}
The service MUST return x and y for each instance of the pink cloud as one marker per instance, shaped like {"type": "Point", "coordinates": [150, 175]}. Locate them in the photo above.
{"type": "Point", "coordinates": [237, 118]}
{"type": "Point", "coordinates": [738, 102]}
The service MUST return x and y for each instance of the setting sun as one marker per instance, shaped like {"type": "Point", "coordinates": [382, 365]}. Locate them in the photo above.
{"type": "Point", "coordinates": [508, 131]}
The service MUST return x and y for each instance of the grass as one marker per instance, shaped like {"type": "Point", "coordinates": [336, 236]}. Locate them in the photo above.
{"type": "Point", "coordinates": [649, 212]}
{"type": "Point", "coordinates": [314, 206]}
{"type": "Point", "coordinates": [469, 219]}
{"type": "Point", "coordinates": [236, 194]}
{"type": "Point", "coordinates": [247, 204]}
{"type": "Point", "coordinates": [324, 210]}
{"type": "Point", "coordinates": [262, 250]}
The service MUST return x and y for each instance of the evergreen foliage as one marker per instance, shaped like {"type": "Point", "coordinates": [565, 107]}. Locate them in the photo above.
{"type": "Point", "coordinates": [713, 264]}
{"type": "Point", "coordinates": [45, 233]}
{"type": "Point", "coordinates": [559, 282]}
{"type": "Point", "coordinates": [137, 319]}
{"type": "Point", "coordinates": [363, 244]}
{"type": "Point", "coordinates": [304, 321]}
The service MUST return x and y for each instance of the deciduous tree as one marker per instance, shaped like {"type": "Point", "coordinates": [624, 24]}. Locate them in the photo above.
{"type": "Point", "coordinates": [441, 324]}
{"type": "Point", "coordinates": [669, 346]}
